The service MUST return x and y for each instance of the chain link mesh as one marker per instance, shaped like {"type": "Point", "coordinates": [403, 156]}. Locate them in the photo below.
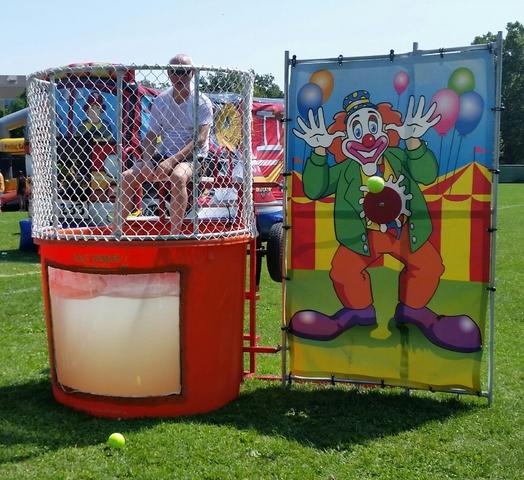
{"type": "Point", "coordinates": [141, 152]}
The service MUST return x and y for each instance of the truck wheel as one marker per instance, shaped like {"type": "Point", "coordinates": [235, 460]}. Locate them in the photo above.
{"type": "Point", "coordinates": [275, 252]}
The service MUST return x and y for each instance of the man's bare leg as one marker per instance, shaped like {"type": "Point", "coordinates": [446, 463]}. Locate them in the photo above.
{"type": "Point", "coordinates": [180, 177]}
{"type": "Point", "coordinates": [131, 183]}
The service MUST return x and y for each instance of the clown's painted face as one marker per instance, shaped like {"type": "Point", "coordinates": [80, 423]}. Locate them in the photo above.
{"type": "Point", "coordinates": [93, 113]}
{"type": "Point", "coordinates": [366, 139]}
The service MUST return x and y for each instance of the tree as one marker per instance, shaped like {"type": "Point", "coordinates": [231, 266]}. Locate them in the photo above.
{"type": "Point", "coordinates": [222, 82]}
{"type": "Point", "coordinates": [512, 118]}
{"type": "Point", "coordinates": [264, 85]}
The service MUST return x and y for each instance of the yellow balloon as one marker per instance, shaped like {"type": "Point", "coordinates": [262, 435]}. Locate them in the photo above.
{"type": "Point", "coordinates": [324, 79]}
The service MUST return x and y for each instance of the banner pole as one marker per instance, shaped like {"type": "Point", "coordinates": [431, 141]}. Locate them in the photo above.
{"type": "Point", "coordinates": [495, 179]}
{"type": "Point", "coordinates": [283, 353]}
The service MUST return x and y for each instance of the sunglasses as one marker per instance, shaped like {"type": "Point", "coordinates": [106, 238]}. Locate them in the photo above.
{"type": "Point", "coordinates": [180, 72]}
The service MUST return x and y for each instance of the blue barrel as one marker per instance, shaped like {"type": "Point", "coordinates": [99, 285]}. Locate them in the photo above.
{"type": "Point", "coordinates": [26, 241]}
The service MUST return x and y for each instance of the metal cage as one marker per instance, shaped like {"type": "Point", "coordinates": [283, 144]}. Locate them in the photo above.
{"type": "Point", "coordinates": [101, 136]}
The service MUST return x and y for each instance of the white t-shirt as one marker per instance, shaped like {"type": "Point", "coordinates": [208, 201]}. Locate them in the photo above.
{"type": "Point", "coordinates": [174, 122]}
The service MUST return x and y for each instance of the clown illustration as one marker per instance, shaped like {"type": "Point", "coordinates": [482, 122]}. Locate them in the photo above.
{"type": "Point", "coordinates": [364, 141]}
{"type": "Point", "coordinates": [93, 126]}
{"type": "Point", "coordinates": [94, 131]}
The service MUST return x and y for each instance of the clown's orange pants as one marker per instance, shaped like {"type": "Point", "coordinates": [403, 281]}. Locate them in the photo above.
{"type": "Point", "coordinates": [418, 280]}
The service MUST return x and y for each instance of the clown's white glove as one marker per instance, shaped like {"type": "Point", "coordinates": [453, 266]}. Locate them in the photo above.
{"type": "Point", "coordinates": [416, 124]}
{"type": "Point", "coordinates": [316, 135]}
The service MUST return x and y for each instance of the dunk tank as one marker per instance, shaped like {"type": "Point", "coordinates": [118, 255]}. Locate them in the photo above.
{"type": "Point", "coordinates": [144, 308]}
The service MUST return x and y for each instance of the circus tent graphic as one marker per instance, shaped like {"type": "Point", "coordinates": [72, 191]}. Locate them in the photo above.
{"type": "Point", "coordinates": [459, 204]}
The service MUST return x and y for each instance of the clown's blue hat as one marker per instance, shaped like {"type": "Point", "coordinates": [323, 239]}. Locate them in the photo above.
{"type": "Point", "coordinates": [357, 100]}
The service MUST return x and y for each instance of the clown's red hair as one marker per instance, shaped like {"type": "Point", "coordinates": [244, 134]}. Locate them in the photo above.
{"type": "Point", "coordinates": [388, 115]}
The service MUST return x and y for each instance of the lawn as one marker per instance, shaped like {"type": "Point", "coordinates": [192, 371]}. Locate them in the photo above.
{"type": "Point", "coordinates": [306, 431]}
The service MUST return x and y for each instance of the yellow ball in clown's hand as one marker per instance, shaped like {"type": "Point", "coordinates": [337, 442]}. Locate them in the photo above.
{"type": "Point", "coordinates": [375, 184]}
{"type": "Point", "coordinates": [116, 440]}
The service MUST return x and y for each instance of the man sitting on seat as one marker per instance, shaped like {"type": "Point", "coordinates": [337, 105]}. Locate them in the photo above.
{"type": "Point", "coordinates": [173, 120]}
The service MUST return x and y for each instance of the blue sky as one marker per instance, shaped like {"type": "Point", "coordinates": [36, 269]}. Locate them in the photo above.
{"type": "Point", "coordinates": [40, 34]}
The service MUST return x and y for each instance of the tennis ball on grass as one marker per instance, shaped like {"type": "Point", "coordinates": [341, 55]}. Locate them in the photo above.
{"type": "Point", "coordinates": [116, 440]}
{"type": "Point", "coordinates": [375, 184]}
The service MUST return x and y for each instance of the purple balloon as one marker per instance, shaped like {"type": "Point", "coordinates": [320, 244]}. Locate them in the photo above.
{"type": "Point", "coordinates": [400, 82]}
{"type": "Point", "coordinates": [471, 109]}
{"type": "Point", "coordinates": [448, 106]}
{"type": "Point", "coordinates": [309, 97]}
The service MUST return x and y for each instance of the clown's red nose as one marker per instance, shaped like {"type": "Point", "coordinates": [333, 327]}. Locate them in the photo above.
{"type": "Point", "coordinates": [368, 141]}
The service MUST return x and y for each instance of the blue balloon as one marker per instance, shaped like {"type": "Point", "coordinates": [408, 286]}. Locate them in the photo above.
{"type": "Point", "coordinates": [470, 113]}
{"type": "Point", "coordinates": [309, 97]}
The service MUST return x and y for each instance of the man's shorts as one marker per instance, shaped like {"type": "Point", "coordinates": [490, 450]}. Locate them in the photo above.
{"type": "Point", "coordinates": [139, 165]}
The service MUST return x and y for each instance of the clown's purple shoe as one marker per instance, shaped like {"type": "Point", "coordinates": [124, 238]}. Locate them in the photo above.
{"type": "Point", "coordinates": [318, 326]}
{"type": "Point", "coordinates": [458, 333]}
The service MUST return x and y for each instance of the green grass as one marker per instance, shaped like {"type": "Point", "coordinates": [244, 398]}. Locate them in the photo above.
{"type": "Point", "coordinates": [308, 431]}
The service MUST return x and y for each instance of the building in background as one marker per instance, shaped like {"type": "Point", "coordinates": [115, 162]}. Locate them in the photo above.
{"type": "Point", "coordinates": [11, 86]}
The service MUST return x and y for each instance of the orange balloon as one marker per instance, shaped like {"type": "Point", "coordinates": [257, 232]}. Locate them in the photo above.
{"type": "Point", "coordinates": [324, 80]}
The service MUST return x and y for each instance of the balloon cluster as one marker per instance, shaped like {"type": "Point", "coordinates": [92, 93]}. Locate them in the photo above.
{"type": "Point", "coordinates": [316, 92]}
{"type": "Point", "coordinates": [458, 105]}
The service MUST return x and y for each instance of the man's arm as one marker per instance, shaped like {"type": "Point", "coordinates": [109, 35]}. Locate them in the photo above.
{"type": "Point", "coordinates": [149, 146]}
{"type": "Point", "coordinates": [185, 153]}
{"type": "Point", "coordinates": [203, 136]}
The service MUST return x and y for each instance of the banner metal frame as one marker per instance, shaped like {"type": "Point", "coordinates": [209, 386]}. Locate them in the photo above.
{"type": "Point", "coordinates": [496, 49]}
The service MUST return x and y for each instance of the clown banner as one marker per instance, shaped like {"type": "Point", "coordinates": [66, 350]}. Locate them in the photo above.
{"type": "Point", "coordinates": [391, 165]}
